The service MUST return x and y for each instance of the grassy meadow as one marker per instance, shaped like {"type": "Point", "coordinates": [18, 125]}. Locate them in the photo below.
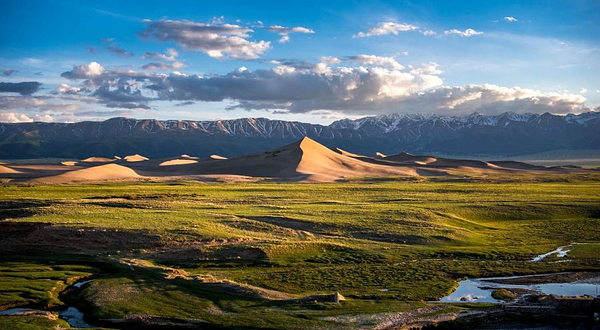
{"type": "Point", "coordinates": [259, 255]}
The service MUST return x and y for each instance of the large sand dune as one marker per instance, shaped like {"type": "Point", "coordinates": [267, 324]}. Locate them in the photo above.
{"type": "Point", "coordinates": [304, 160]}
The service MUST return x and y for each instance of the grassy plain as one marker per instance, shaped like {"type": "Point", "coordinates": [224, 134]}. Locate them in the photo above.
{"type": "Point", "coordinates": [248, 255]}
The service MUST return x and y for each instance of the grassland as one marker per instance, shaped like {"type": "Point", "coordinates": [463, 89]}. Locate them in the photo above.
{"type": "Point", "coordinates": [261, 255]}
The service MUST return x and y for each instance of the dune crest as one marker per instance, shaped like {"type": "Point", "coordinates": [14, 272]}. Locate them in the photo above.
{"type": "Point", "coordinates": [97, 160]}
{"type": "Point", "coordinates": [94, 173]}
{"type": "Point", "coordinates": [174, 162]}
{"type": "Point", "coordinates": [135, 158]}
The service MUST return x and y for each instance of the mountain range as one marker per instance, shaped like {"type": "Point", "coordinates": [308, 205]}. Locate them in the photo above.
{"type": "Point", "coordinates": [505, 135]}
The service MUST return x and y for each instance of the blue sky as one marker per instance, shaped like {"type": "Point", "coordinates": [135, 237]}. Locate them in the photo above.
{"type": "Point", "coordinates": [310, 61]}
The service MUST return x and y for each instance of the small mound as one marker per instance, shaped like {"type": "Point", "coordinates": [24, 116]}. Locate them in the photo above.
{"type": "Point", "coordinates": [216, 157]}
{"type": "Point", "coordinates": [97, 160]}
{"type": "Point", "coordinates": [94, 173]}
{"type": "Point", "coordinates": [116, 157]}
{"type": "Point", "coordinates": [380, 155]}
{"type": "Point", "coordinates": [178, 162]}
{"type": "Point", "coordinates": [135, 158]}
{"type": "Point", "coordinates": [68, 163]}
{"type": "Point", "coordinates": [185, 156]}
{"type": "Point", "coordinates": [8, 170]}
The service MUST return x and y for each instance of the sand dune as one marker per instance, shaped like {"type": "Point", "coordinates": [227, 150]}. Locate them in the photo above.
{"type": "Point", "coordinates": [94, 173]}
{"type": "Point", "coordinates": [97, 160]}
{"type": "Point", "coordinates": [304, 160]}
{"type": "Point", "coordinates": [8, 170]}
{"type": "Point", "coordinates": [174, 162]}
{"type": "Point", "coordinates": [380, 155]}
{"type": "Point", "coordinates": [135, 158]}
{"type": "Point", "coordinates": [405, 157]}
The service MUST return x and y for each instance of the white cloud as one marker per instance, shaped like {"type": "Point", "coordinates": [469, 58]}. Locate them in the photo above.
{"type": "Point", "coordinates": [384, 28]}
{"type": "Point", "coordinates": [216, 39]}
{"type": "Point", "coordinates": [85, 71]}
{"type": "Point", "coordinates": [465, 33]}
{"type": "Point", "coordinates": [329, 60]}
{"type": "Point", "coordinates": [375, 87]}
{"type": "Point", "coordinates": [429, 33]}
{"type": "Point", "coordinates": [13, 117]}
{"type": "Point", "coordinates": [583, 91]}
{"type": "Point", "coordinates": [374, 60]}
{"type": "Point", "coordinates": [510, 19]}
{"type": "Point", "coordinates": [427, 68]}
{"type": "Point", "coordinates": [152, 66]}
{"type": "Point", "coordinates": [171, 55]}
{"type": "Point", "coordinates": [285, 32]}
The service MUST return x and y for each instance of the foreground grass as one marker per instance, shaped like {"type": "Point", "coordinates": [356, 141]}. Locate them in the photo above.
{"type": "Point", "coordinates": [386, 245]}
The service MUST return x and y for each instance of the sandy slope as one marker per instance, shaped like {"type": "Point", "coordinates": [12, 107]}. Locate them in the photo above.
{"type": "Point", "coordinates": [8, 170]}
{"type": "Point", "coordinates": [95, 173]}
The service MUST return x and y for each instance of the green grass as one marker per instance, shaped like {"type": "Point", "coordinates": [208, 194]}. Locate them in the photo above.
{"type": "Point", "coordinates": [386, 245]}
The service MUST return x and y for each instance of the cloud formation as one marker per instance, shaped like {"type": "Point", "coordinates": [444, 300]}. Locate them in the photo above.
{"type": "Point", "coordinates": [378, 85]}
{"type": "Point", "coordinates": [216, 39]}
{"type": "Point", "coordinates": [510, 19]}
{"type": "Point", "coordinates": [465, 33]}
{"type": "Point", "coordinates": [153, 66]}
{"type": "Point", "coordinates": [171, 55]}
{"type": "Point", "coordinates": [285, 32]}
{"type": "Point", "coordinates": [384, 28]}
{"type": "Point", "coordinates": [23, 88]}
{"type": "Point", "coordinates": [119, 51]}
{"type": "Point", "coordinates": [374, 60]}
{"type": "Point", "coordinates": [8, 72]}
{"type": "Point", "coordinates": [84, 71]}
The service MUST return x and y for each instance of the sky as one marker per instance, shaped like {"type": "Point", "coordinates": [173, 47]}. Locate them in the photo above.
{"type": "Point", "coordinates": [310, 61]}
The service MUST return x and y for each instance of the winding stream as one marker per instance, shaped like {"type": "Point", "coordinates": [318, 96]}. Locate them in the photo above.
{"type": "Point", "coordinates": [480, 289]}
{"type": "Point", "coordinates": [72, 315]}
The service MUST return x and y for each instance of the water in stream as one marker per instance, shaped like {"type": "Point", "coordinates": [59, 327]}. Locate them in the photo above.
{"type": "Point", "coordinates": [480, 289]}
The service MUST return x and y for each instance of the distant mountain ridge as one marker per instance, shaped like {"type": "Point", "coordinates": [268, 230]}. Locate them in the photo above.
{"type": "Point", "coordinates": [507, 134]}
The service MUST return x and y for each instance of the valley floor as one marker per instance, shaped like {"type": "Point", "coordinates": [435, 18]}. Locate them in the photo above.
{"type": "Point", "coordinates": [271, 255]}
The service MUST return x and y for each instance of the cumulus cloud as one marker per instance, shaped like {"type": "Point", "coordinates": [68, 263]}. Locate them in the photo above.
{"type": "Point", "coordinates": [427, 68]}
{"type": "Point", "coordinates": [13, 117]}
{"type": "Point", "coordinates": [510, 19]}
{"type": "Point", "coordinates": [374, 60]}
{"type": "Point", "coordinates": [23, 88]}
{"type": "Point", "coordinates": [216, 39]}
{"type": "Point", "coordinates": [152, 66]}
{"type": "Point", "coordinates": [285, 32]}
{"type": "Point", "coordinates": [429, 33]}
{"type": "Point", "coordinates": [384, 28]}
{"type": "Point", "coordinates": [113, 88]}
{"type": "Point", "coordinates": [329, 60]}
{"type": "Point", "coordinates": [171, 55]}
{"type": "Point", "coordinates": [465, 33]}
{"type": "Point", "coordinates": [377, 86]}
{"type": "Point", "coordinates": [84, 71]}
{"type": "Point", "coordinates": [8, 72]}
{"type": "Point", "coordinates": [119, 51]}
